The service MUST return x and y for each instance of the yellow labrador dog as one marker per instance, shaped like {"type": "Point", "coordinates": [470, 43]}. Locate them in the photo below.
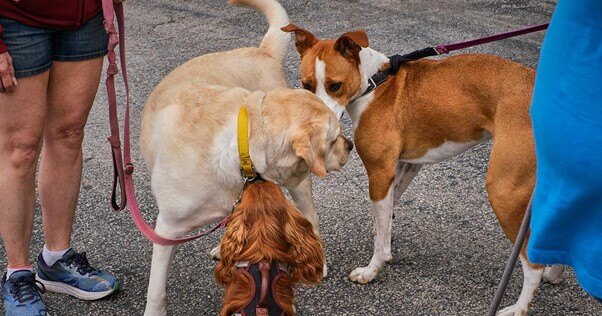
{"type": "Point", "coordinates": [189, 139]}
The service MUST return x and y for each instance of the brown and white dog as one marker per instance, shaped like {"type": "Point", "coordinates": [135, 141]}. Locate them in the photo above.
{"type": "Point", "coordinates": [268, 247]}
{"type": "Point", "coordinates": [429, 111]}
{"type": "Point", "coordinates": [189, 140]}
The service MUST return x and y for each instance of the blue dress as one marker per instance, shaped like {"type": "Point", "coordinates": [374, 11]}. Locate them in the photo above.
{"type": "Point", "coordinates": [566, 226]}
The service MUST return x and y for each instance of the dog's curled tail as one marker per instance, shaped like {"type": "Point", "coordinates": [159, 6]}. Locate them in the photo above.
{"type": "Point", "coordinates": [275, 41]}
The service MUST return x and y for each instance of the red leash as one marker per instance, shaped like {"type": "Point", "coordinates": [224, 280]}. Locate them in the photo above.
{"type": "Point", "coordinates": [444, 49]}
{"type": "Point", "coordinates": [122, 165]}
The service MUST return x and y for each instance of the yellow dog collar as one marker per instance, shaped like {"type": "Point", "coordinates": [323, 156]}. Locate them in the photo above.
{"type": "Point", "coordinates": [246, 164]}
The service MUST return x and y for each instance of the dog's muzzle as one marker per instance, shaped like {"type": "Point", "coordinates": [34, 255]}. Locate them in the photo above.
{"type": "Point", "coordinates": [262, 277]}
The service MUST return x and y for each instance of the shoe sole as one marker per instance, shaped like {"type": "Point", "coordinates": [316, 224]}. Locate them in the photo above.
{"type": "Point", "coordinates": [59, 287]}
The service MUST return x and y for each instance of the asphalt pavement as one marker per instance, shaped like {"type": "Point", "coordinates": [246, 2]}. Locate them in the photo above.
{"type": "Point", "coordinates": [448, 250]}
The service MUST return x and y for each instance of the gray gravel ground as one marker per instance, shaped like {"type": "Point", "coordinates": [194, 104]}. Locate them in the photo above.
{"type": "Point", "coordinates": [448, 249]}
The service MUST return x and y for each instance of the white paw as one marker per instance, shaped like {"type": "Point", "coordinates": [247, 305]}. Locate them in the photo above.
{"type": "Point", "coordinates": [325, 271]}
{"type": "Point", "coordinates": [215, 254]}
{"type": "Point", "coordinates": [363, 275]}
{"type": "Point", "coordinates": [151, 311]}
{"type": "Point", "coordinates": [553, 274]}
{"type": "Point", "coordinates": [512, 311]}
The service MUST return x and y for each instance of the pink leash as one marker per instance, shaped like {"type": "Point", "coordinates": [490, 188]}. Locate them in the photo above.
{"type": "Point", "coordinates": [122, 165]}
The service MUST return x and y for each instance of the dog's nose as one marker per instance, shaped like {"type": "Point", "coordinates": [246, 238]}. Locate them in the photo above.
{"type": "Point", "coordinates": [348, 144]}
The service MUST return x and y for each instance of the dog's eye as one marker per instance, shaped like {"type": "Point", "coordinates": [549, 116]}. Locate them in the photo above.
{"type": "Point", "coordinates": [334, 87]}
{"type": "Point", "coordinates": [306, 86]}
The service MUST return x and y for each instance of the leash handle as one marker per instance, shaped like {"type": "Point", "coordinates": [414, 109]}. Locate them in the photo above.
{"type": "Point", "coordinates": [446, 48]}
{"type": "Point", "coordinates": [122, 162]}
{"type": "Point", "coordinates": [108, 8]}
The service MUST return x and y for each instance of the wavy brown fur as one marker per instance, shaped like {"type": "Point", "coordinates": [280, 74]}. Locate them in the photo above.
{"type": "Point", "coordinates": [266, 226]}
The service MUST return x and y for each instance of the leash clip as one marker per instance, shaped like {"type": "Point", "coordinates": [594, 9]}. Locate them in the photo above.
{"type": "Point", "coordinates": [440, 49]}
{"type": "Point", "coordinates": [248, 175]}
{"type": "Point", "coordinates": [371, 84]}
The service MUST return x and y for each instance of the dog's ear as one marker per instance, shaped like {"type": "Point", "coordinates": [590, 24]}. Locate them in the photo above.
{"type": "Point", "coordinates": [310, 145]}
{"type": "Point", "coordinates": [303, 38]}
{"type": "Point", "coordinates": [350, 44]}
{"type": "Point", "coordinates": [231, 246]}
{"type": "Point", "coordinates": [306, 254]}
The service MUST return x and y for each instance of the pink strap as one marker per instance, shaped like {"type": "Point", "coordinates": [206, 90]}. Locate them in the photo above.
{"type": "Point", "coordinates": [122, 164]}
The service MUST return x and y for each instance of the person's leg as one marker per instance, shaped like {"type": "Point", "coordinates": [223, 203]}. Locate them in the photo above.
{"type": "Point", "coordinates": [74, 77]}
{"type": "Point", "coordinates": [71, 90]}
{"type": "Point", "coordinates": [22, 115]}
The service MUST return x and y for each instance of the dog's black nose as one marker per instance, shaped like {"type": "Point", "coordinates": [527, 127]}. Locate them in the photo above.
{"type": "Point", "coordinates": [348, 144]}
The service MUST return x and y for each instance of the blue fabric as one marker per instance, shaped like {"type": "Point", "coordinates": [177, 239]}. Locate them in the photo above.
{"type": "Point", "coordinates": [21, 295]}
{"type": "Point", "coordinates": [566, 227]}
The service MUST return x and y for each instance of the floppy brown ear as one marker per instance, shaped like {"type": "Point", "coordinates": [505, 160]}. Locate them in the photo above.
{"type": "Point", "coordinates": [303, 38]}
{"type": "Point", "coordinates": [350, 44]}
{"type": "Point", "coordinates": [306, 254]}
{"type": "Point", "coordinates": [314, 156]}
{"type": "Point", "coordinates": [230, 247]}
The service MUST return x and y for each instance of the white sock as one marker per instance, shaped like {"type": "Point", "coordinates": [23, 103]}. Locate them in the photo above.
{"type": "Point", "coordinates": [10, 271]}
{"type": "Point", "coordinates": [50, 257]}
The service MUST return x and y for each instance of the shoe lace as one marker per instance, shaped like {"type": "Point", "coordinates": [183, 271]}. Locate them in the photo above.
{"type": "Point", "coordinates": [80, 262]}
{"type": "Point", "coordinates": [25, 289]}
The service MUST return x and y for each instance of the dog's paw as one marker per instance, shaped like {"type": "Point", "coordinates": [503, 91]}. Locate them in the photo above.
{"type": "Point", "coordinates": [325, 271]}
{"type": "Point", "coordinates": [215, 253]}
{"type": "Point", "coordinates": [363, 275]}
{"type": "Point", "coordinates": [152, 311]}
{"type": "Point", "coordinates": [513, 310]}
{"type": "Point", "coordinates": [553, 274]}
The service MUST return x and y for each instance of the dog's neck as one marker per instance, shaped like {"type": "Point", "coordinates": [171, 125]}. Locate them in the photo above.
{"type": "Point", "coordinates": [226, 155]}
{"type": "Point", "coordinates": [371, 61]}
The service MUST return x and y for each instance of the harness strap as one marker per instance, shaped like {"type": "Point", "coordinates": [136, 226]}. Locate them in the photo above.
{"type": "Point", "coordinates": [264, 267]}
{"type": "Point", "coordinates": [122, 164]}
{"type": "Point", "coordinates": [396, 61]}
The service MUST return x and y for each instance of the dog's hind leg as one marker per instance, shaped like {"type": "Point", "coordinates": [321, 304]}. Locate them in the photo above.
{"type": "Point", "coordinates": [160, 266]}
{"type": "Point", "coordinates": [531, 279]}
{"type": "Point", "coordinates": [554, 274]}
{"type": "Point", "coordinates": [510, 182]}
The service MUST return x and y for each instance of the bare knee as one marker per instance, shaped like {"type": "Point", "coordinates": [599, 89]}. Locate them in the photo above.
{"type": "Point", "coordinates": [68, 134]}
{"type": "Point", "coordinates": [23, 150]}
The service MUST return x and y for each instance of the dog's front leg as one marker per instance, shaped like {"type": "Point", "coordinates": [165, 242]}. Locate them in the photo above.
{"type": "Point", "coordinates": [301, 192]}
{"type": "Point", "coordinates": [404, 174]}
{"type": "Point", "coordinates": [382, 209]}
{"type": "Point", "coordinates": [302, 196]}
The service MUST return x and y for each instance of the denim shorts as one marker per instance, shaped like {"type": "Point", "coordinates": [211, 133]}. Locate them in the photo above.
{"type": "Point", "coordinates": [33, 48]}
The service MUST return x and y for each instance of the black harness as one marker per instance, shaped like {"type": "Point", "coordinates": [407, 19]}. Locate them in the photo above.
{"type": "Point", "coordinates": [395, 63]}
{"type": "Point", "coordinates": [262, 277]}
